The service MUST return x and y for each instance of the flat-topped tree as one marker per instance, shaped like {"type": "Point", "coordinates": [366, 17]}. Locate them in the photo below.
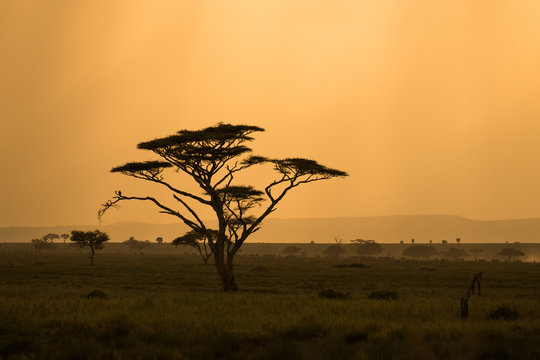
{"type": "Point", "coordinates": [198, 241]}
{"type": "Point", "coordinates": [212, 157]}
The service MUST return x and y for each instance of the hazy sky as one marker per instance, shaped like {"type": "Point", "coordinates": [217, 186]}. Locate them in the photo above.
{"type": "Point", "coordinates": [433, 107]}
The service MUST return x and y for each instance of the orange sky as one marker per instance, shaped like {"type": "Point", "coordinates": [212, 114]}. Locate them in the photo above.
{"type": "Point", "coordinates": [431, 106]}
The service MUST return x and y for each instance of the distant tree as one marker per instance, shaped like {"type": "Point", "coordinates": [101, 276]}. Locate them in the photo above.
{"type": "Point", "coordinates": [455, 253]}
{"type": "Point", "coordinates": [430, 242]}
{"type": "Point", "coordinates": [51, 237]}
{"type": "Point", "coordinates": [401, 242]}
{"type": "Point", "coordinates": [213, 157]}
{"type": "Point", "coordinates": [137, 245]}
{"type": "Point", "coordinates": [420, 251]}
{"type": "Point", "coordinates": [510, 253]}
{"type": "Point", "coordinates": [43, 244]}
{"type": "Point", "coordinates": [412, 241]}
{"type": "Point", "coordinates": [458, 240]}
{"type": "Point", "coordinates": [199, 242]}
{"type": "Point", "coordinates": [65, 237]}
{"type": "Point", "coordinates": [475, 252]}
{"type": "Point", "coordinates": [444, 242]}
{"type": "Point", "coordinates": [159, 240]}
{"type": "Point", "coordinates": [367, 247]}
{"type": "Point", "coordinates": [334, 251]}
{"type": "Point", "coordinates": [291, 250]}
{"type": "Point", "coordinates": [93, 240]}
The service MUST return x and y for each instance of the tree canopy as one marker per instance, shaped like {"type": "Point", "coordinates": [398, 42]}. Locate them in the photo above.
{"type": "Point", "coordinates": [510, 253]}
{"type": "Point", "coordinates": [367, 247]}
{"type": "Point", "coordinates": [212, 157]}
{"type": "Point", "coordinates": [198, 241]}
{"type": "Point", "coordinates": [93, 240]}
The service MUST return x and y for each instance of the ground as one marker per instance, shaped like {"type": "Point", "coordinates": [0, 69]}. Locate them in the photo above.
{"type": "Point", "coordinates": [166, 305]}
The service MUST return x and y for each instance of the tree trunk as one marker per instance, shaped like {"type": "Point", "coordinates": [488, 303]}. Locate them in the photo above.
{"type": "Point", "coordinates": [225, 271]}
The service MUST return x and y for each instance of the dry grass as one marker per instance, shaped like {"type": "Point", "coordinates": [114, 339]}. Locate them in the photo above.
{"type": "Point", "coordinates": [169, 306]}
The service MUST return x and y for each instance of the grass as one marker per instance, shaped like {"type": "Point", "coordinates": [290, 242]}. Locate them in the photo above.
{"type": "Point", "coordinates": [168, 306]}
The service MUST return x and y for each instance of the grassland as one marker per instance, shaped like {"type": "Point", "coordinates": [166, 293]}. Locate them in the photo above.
{"type": "Point", "coordinates": [166, 305]}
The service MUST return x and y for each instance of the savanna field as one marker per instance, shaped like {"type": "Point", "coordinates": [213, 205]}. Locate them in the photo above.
{"type": "Point", "coordinates": [164, 304]}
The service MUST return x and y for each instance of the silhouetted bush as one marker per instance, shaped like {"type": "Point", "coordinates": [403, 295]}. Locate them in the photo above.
{"type": "Point", "coordinates": [305, 331]}
{"type": "Point", "coordinates": [353, 265]}
{"type": "Point", "coordinates": [383, 295]}
{"type": "Point", "coordinates": [355, 336]}
{"type": "Point", "coordinates": [332, 294]}
{"type": "Point", "coordinates": [98, 294]}
{"type": "Point", "coordinates": [504, 312]}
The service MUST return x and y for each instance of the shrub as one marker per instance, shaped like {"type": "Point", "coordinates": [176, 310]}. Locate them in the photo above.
{"type": "Point", "coordinates": [98, 294]}
{"type": "Point", "coordinates": [353, 265]}
{"type": "Point", "coordinates": [383, 295]}
{"type": "Point", "coordinates": [332, 294]}
{"type": "Point", "coordinates": [504, 312]}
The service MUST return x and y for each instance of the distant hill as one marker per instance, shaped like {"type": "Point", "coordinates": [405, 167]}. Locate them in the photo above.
{"type": "Point", "coordinates": [385, 229]}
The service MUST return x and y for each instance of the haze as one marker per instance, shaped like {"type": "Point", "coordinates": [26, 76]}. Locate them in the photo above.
{"type": "Point", "coordinates": [432, 107]}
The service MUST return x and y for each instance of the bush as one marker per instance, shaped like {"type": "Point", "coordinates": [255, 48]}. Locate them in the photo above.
{"type": "Point", "coordinates": [353, 265]}
{"type": "Point", "coordinates": [98, 294]}
{"type": "Point", "coordinates": [504, 312]}
{"type": "Point", "coordinates": [332, 294]}
{"type": "Point", "coordinates": [383, 295]}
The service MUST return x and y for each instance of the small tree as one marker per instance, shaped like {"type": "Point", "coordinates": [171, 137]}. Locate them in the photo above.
{"type": "Point", "coordinates": [198, 241]}
{"type": "Point", "coordinates": [212, 158]}
{"type": "Point", "coordinates": [42, 244]}
{"type": "Point", "coordinates": [458, 240]}
{"type": "Point", "coordinates": [510, 253]}
{"type": "Point", "coordinates": [51, 237]}
{"type": "Point", "coordinates": [367, 247]}
{"type": "Point", "coordinates": [444, 242]}
{"type": "Point", "coordinates": [420, 251]}
{"type": "Point", "coordinates": [291, 250]}
{"type": "Point", "coordinates": [137, 245]}
{"type": "Point", "coordinates": [159, 240]}
{"type": "Point", "coordinates": [93, 240]}
{"type": "Point", "coordinates": [65, 237]}
{"type": "Point", "coordinates": [475, 252]}
{"type": "Point", "coordinates": [455, 253]}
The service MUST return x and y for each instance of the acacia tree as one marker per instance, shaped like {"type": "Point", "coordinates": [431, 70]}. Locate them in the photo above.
{"type": "Point", "coordinates": [137, 245]}
{"type": "Point", "coordinates": [212, 157]}
{"type": "Point", "coordinates": [367, 247]}
{"type": "Point", "coordinates": [510, 253]}
{"type": "Point", "coordinates": [65, 237]}
{"type": "Point", "coordinates": [51, 237]}
{"type": "Point", "coordinates": [198, 241]}
{"type": "Point", "coordinates": [93, 240]}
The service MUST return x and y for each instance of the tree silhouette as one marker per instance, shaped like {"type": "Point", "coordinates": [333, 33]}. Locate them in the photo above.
{"type": "Point", "coordinates": [137, 245]}
{"type": "Point", "coordinates": [65, 237]}
{"type": "Point", "coordinates": [51, 237]}
{"type": "Point", "coordinates": [212, 157]}
{"type": "Point", "coordinates": [93, 240]}
{"type": "Point", "coordinates": [419, 251]}
{"type": "Point", "coordinates": [510, 253]}
{"type": "Point", "coordinates": [367, 247]}
{"type": "Point", "coordinates": [43, 244]}
{"type": "Point", "coordinates": [159, 240]}
{"type": "Point", "coordinates": [198, 241]}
